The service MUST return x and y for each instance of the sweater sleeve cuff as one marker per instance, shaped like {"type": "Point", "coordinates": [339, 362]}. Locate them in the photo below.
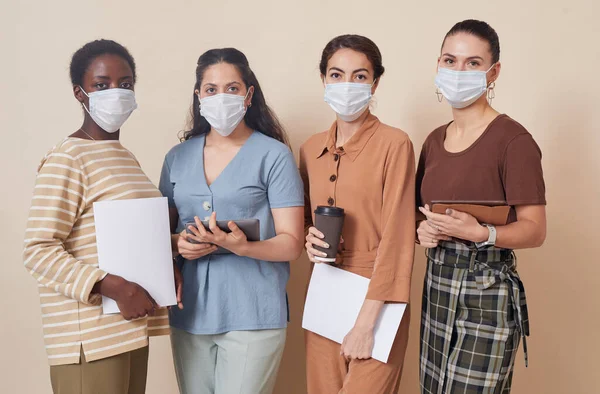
{"type": "Point", "coordinates": [87, 297]}
{"type": "Point", "coordinates": [391, 290]}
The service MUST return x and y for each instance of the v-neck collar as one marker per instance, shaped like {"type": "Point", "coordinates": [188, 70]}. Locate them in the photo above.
{"type": "Point", "coordinates": [203, 145]}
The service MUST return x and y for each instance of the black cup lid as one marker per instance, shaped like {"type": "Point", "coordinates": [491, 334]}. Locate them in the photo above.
{"type": "Point", "coordinates": [329, 211]}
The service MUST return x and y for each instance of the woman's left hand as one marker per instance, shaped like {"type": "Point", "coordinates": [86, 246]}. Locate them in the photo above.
{"type": "Point", "coordinates": [178, 285]}
{"type": "Point", "coordinates": [456, 224]}
{"type": "Point", "coordinates": [358, 344]}
{"type": "Point", "coordinates": [235, 241]}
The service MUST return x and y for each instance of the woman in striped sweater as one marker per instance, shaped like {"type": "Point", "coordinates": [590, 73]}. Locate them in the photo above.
{"type": "Point", "coordinates": [88, 351]}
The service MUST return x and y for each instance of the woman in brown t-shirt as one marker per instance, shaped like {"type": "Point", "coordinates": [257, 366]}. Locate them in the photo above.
{"type": "Point", "coordinates": [474, 312]}
{"type": "Point", "coordinates": [366, 168]}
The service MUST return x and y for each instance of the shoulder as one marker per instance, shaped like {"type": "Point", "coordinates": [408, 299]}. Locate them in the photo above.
{"type": "Point", "coordinates": [509, 128]}
{"type": "Point", "coordinates": [315, 143]}
{"type": "Point", "coordinates": [68, 149]}
{"type": "Point", "coordinates": [436, 135]}
{"type": "Point", "coordinates": [392, 136]}
{"type": "Point", "coordinates": [269, 145]}
{"type": "Point", "coordinates": [190, 146]}
{"type": "Point", "coordinates": [507, 133]}
{"type": "Point", "coordinates": [75, 147]}
{"type": "Point", "coordinates": [269, 152]}
{"type": "Point", "coordinates": [85, 151]}
{"type": "Point", "coordinates": [69, 146]}
{"type": "Point", "coordinates": [271, 158]}
{"type": "Point", "coordinates": [65, 154]}
{"type": "Point", "coordinates": [394, 144]}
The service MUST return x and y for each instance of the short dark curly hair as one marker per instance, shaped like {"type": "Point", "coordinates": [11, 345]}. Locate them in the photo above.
{"type": "Point", "coordinates": [85, 55]}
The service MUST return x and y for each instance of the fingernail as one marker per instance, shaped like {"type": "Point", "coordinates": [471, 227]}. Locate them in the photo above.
{"type": "Point", "coordinates": [326, 245]}
{"type": "Point", "coordinates": [448, 211]}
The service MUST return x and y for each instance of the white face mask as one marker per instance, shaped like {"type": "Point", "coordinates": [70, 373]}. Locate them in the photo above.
{"type": "Point", "coordinates": [110, 108]}
{"type": "Point", "coordinates": [348, 99]}
{"type": "Point", "coordinates": [461, 88]}
{"type": "Point", "coordinates": [223, 111]}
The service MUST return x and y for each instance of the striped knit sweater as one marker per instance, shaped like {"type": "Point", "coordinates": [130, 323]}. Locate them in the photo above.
{"type": "Point", "coordinates": [60, 249]}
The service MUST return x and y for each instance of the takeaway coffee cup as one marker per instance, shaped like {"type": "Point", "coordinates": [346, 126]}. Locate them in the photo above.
{"type": "Point", "coordinates": [329, 221]}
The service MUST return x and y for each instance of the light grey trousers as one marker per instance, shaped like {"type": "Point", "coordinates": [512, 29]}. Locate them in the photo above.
{"type": "Point", "coordinates": [236, 362]}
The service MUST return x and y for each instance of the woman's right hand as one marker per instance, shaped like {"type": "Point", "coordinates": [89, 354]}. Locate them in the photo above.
{"type": "Point", "coordinates": [315, 237]}
{"type": "Point", "coordinates": [430, 237]}
{"type": "Point", "coordinates": [132, 299]}
{"type": "Point", "coordinates": [134, 302]}
{"type": "Point", "coordinates": [191, 251]}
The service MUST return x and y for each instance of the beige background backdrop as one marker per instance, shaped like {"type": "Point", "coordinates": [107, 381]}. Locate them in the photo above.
{"type": "Point", "coordinates": [550, 54]}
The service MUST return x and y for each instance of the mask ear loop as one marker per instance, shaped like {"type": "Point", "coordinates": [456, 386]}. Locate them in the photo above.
{"type": "Point", "coordinates": [83, 104]}
{"type": "Point", "coordinates": [246, 96]}
{"type": "Point", "coordinates": [438, 93]}
{"type": "Point", "coordinates": [373, 84]}
{"type": "Point", "coordinates": [491, 93]}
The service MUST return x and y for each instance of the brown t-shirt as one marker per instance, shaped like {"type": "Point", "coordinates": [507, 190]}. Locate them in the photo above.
{"type": "Point", "coordinates": [504, 164]}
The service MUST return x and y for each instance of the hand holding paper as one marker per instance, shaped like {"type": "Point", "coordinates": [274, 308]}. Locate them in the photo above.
{"type": "Point", "coordinates": [358, 343]}
{"type": "Point", "coordinates": [132, 300]}
{"type": "Point", "coordinates": [134, 242]}
{"type": "Point", "coordinates": [333, 303]}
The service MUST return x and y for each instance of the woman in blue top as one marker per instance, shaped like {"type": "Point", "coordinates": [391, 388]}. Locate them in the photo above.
{"type": "Point", "coordinates": [233, 164]}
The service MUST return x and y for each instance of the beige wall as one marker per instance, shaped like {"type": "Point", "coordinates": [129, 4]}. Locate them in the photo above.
{"type": "Point", "coordinates": [550, 53]}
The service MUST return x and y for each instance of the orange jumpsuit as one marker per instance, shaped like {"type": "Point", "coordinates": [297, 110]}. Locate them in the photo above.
{"type": "Point", "coordinates": [373, 178]}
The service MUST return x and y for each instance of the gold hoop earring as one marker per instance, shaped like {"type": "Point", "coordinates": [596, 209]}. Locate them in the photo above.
{"type": "Point", "coordinates": [439, 95]}
{"type": "Point", "coordinates": [491, 93]}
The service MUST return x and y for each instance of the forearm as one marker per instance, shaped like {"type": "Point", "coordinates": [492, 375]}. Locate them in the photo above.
{"type": "Point", "coordinates": [390, 281]}
{"type": "Point", "coordinates": [110, 286]}
{"type": "Point", "coordinates": [369, 313]}
{"type": "Point", "coordinates": [281, 248]}
{"type": "Point", "coordinates": [173, 219]}
{"type": "Point", "coordinates": [174, 247]}
{"type": "Point", "coordinates": [529, 231]}
{"type": "Point", "coordinates": [53, 267]}
{"type": "Point", "coordinates": [522, 234]}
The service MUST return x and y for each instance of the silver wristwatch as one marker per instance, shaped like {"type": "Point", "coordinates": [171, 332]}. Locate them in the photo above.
{"type": "Point", "coordinates": [491, 241]}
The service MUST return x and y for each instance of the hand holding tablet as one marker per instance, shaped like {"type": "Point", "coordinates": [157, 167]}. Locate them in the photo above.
{"type": "Point", "coordinates": [488, 212]}
{"type": "Point", "coordinates": [220, 230]}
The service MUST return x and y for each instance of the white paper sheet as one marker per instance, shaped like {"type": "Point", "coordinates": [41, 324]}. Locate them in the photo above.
{"type": "Point", "coordinates": [134, 241]}
{"type": "Point", "coordinates": [332, 305]}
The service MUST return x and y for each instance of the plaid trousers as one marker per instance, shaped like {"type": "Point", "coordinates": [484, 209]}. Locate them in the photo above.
{"type": "Point", "coordinates": [474, 315]}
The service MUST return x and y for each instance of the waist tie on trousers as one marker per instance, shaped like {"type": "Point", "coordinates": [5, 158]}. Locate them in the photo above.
{"type": "Point", "coordinates": [488, 273]}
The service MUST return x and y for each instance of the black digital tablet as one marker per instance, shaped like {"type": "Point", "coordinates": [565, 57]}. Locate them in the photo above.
{"type": "Point", "coordinates": [250, 227]}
